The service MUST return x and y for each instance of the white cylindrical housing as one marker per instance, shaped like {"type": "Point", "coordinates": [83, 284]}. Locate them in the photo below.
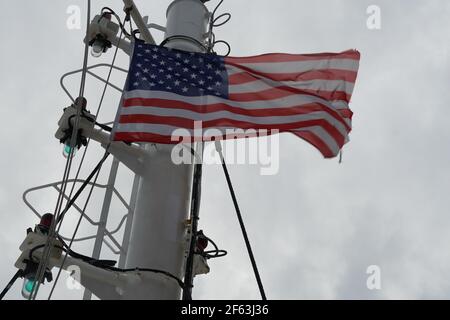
{"type": "Point", "coordinates": [186, 18]}
{"type": "Point", "coordinates": [157, 238]}
{"type": "Point", "coordinates": [158, 232]}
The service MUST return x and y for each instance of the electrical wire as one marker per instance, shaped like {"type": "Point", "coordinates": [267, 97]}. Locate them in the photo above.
{"type": "Point", "coordinates": [95, 121]}
{"type": "Point", "coordinates": [60, 215]}
{"type": "Point", "coordinates": [211, 254]}
{"type": "Point", "coordinates": [196, 194]}
{"type": "Point", "coordinates": [100, 125]}
{"type": "Point", "coordinates": [122, 25]}
{"type": "Point", "coordinates": [227, 14]}
{"type": "Point", "coordinates": [46, 256]}
{"type": "Point", "coordinates": [17, 275]}
{"type": "Point", "coordinates": [104, 127]}
{"type": "Point", "coordinates": [195, 208]}
{"type": "Point", "coordinates": [183, 37]}
{"type": "Point", "coordinates": [213, 23]}
{"type": "Point", "coordinates": [241, 221]}
{"type": "Point", "coordinates": [70, 252]}
{"type": "Point", "coordinates": [100, 164]}
{"type": "Point", "coordinates": [103, 264]}
{"type": "Point", "coordinates": [80, 190]}
{"type": "Point", "coordinates": [226, 44]}
{"type": "Point", "coordinates": [166, 273]}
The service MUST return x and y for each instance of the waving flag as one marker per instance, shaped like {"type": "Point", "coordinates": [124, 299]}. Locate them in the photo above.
{"type": "Point", "coordinates": [306, 95]}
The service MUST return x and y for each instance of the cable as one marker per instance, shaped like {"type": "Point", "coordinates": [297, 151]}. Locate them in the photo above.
{"type": "Point", "coordinates": [95, 262]}
{"type": "Point", "coordinates": [195, 208]}
{"type": "Point", "coordinates": [215, 10]}
{"type": "Point", "coordinates": [183, 37]}
{"type": "Point", "coordinates": [96, 116]}
{"type": "Point", "coordinates": [241, 221]}
{"type": "Point", "coordinates": [101, 125]}
{"type": "Point", "coordinates": [69, 204]}
{"type": "Point", "coordinates": [17, 275]}
{"type": "Point", "coordinates": [104, 127]}
{"type": "Point", "coordinates": [227, 14]}
{"type": "Point", "coordinates": [122, 26]}
{"type": "Point", "coordinates": [166, 273]}
{"type": "Point", "coordinates": [80, 190]}
{"type": "Point", "coordinates": [211, 254]}
{"type": "Point", "coordinates": [99, 165]}
{"type": "Point", "coordinates": [43, 262]}
{"type": "Point", "coordinates": [214, 24]}
{"type": "Point", "coordinates": [225, 43]}
{"type": "Point", "coordinates": [103, 264]}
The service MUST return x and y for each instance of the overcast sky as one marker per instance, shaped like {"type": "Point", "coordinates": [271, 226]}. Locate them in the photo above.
{"type": "Point", "coordinates": [315, 226]}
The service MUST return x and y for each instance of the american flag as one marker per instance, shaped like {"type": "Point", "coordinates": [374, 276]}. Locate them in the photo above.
{"type": "Point", "coordinates": [307, 95]}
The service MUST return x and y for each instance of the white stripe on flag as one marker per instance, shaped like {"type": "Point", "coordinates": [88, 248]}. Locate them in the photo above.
{"type": "Point", "coordinates": [187, 114]}
{"type": "Point", "coordinates": [289, 101]}
{"type": "Point", "coordinates": [265, 83]}
{"type": "Point", "coordinates": [324, 136]}
{"type": "Point", "coordinates": [298, 66]}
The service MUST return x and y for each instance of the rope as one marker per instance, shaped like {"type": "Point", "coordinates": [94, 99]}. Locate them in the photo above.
{"type": "Point", "coordinates": [241, 222]}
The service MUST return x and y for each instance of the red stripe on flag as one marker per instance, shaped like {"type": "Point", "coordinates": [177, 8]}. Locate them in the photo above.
{"type": "Point", "coordinates": [285, 91]}
{"type": "Point", "coordinates": [328, 74]}
{"type": "Point", "coordinates": [157, 138]}
{"type": "Point", "coordinates": [285, 111]}
{"type": "Point", "coordinates": [316, 142]}
{"type": "Point", "coordinates": [142, 137]}
{"type": "Point", "coordinates": [346, 113]}
{"type": "Point", "coordinates": [286, 57]}
{"type": "Point", "coordinates": [225, 122]}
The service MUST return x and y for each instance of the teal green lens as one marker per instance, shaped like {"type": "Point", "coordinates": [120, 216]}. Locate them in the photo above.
{"type": "Point", "coordinates": [29, 285]}
{"type": "Point", "coordinates": [67, 149]}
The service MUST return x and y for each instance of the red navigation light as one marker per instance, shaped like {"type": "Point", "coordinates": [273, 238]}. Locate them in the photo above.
{"type": "Point", "coordinates": [46, 220]}
{"type": "Point", "coordinates": [202, 242]}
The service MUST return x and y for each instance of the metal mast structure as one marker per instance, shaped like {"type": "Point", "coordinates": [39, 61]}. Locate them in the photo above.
{"type": "Point", "coordinates": [160, 244]}
{"type": "Point", "coordinates": [159, 231]}
{"type": "Point", "coordinates": [158, 236]}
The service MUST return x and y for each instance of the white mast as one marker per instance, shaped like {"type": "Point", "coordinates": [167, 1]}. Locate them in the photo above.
{"type": "Point", "coordinates": [158, 234]}
{"type": "Point", "coordinates": [158, 238]}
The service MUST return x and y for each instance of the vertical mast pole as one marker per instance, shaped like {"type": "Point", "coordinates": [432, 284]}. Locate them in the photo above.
{"type": "Point", "coordinates": [158, 232]}
{"type": "Point", "coordinates": [103, 217]}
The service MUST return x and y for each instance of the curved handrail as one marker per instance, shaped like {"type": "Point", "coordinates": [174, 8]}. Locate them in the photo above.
{"type": "Point", "coordinates": [109, 234]}
{"type": "Point", "coordinates": [61, 81]}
